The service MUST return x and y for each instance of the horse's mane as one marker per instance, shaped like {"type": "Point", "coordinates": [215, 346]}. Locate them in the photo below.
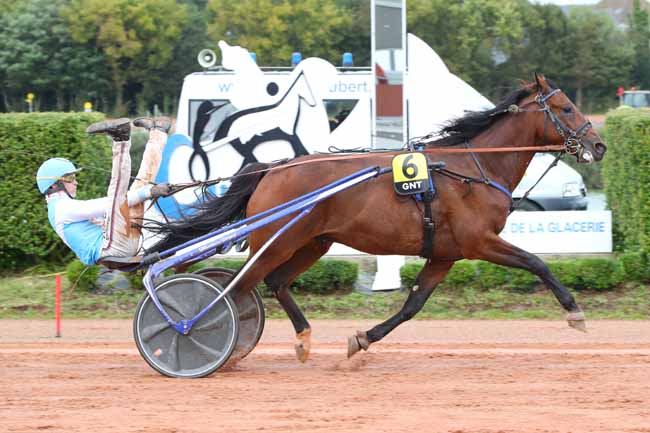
{"type": "Point", "coordinates": [211, 212]}
{"type": "Point", "coordinates": [473, 123]}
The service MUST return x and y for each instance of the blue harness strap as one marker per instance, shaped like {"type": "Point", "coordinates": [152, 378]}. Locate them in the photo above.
{"type": "Point", "coordinates": [501, 188]}
{"type": "Point", "coordinates": [429, 226]}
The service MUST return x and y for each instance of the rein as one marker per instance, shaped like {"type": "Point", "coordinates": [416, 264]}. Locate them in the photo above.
{"type": "Point", "coordinates": [550, 148]}
{"type": "Point", "coordinates": [517, 205]}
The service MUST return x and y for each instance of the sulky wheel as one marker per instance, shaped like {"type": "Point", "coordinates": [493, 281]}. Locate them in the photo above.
{"type": "Point", "coordinates": [251, 312]}
{"type": "Point", "coordinates": [209, 343]}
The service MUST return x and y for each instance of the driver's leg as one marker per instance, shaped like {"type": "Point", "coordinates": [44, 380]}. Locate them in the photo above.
{"type": "Point", "coordinates": [158, 129]}
{"type": "Point", "coordinates": [117, 241]}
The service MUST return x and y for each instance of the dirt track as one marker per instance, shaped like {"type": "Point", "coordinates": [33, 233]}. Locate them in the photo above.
{"type": "Point", "coordinates": [433, 376]}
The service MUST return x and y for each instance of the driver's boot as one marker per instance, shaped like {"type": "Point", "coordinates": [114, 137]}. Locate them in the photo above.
{"type": "Point", "coordinates": [118, 129]}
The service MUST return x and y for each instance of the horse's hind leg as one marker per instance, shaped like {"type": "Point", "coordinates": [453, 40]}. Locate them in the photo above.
{"type": "Point", "coordinates": [428, 278]}
{"type": "Point", "coordinates": [281, 278]}
{"type": "Point", "coordinates": [500, 252]}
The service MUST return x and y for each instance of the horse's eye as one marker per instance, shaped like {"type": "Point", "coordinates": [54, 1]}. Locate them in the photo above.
{"type": "Point", "coordinates": [568, 109]}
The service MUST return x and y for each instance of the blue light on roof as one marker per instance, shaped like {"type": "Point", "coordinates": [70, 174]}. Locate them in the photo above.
{"type": "Point", "coordinates": [296, 57]}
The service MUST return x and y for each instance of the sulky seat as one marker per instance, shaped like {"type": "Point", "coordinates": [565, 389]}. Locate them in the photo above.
{"type": "Point", "coordinates": [121, 263]}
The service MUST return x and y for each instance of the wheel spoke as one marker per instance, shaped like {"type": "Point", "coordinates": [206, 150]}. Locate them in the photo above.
{"type": "Point", "coordinates": [205, 349]}
{"type": "Point", "coordinates": [170, 302]}
{"type": "Point", "coordinates": [173, 353]}
{"type": "Point", "coordinates": [249, 312]}
{"type": "Point", "coordinates": [214, 323]}
{"type": "Point", "coordinates": [199, 306]}
{"type": "Point", "coordinates": [150, 331]}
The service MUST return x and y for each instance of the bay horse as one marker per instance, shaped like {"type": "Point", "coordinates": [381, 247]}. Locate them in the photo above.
{"type": "Point", "coordinates": [370, 217]}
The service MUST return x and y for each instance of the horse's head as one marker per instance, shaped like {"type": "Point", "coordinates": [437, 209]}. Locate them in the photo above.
{"type": "Point", "coordinates": [563, 123]}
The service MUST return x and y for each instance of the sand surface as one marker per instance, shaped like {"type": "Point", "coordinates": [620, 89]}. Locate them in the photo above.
{"type": "Point", "coordinates": [428, 376]}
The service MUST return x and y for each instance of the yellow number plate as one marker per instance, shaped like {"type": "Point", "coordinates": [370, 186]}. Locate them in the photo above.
{"type": "Point", "coordinates": [410, 173]}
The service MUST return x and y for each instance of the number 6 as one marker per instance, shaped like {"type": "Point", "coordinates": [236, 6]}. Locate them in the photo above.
{"type": "Point", "coordinates": [408, 165]}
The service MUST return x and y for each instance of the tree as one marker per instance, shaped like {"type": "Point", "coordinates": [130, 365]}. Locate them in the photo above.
{"type": "Point", "coordinates": [601, 59]}
{"type": "Point", "coordinates": [545, 47]}
{"type": "Point", "coordinates": [472, 36]}
{"type": "Point", "coordinates": [164, 86]}
{"type": "Point", "coordinates": [356, 35]}
{"type": "Point", "coordinates": [639, 35]}
{"type": "Point", "coordinates": [37, 54]}
{"type": "Point", "coordinates": [136, 36]}
{"type": "Point", "coordinates": [273, 29]}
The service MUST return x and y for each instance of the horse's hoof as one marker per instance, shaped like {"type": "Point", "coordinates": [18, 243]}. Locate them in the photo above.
{"type": "Point", "coordinates": [303, 347]}
{"type": "Point", "coordinates": [301, 352]}
{"type": "Point", "coordinates": [577, 321]}
{"type": "Point", "coordinates": [357, 342]}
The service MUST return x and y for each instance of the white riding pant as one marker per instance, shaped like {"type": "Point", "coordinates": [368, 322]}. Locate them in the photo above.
{"type": "Point", "coordinates": [120, 237]}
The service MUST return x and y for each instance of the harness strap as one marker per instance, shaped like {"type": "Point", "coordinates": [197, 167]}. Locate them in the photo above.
{"type": "Point", "coordinates": [469, 180]}
{"type": "Point", "coordinates": [468, 145]}
{"type": "Point", "coordinates": [501, 188]}
{"type": "Point", "coordinates": [513, 206]}
{"type": "Point", "coordinates": [428, 225]}
{"type": "Point", "coordinates": [484, 179]}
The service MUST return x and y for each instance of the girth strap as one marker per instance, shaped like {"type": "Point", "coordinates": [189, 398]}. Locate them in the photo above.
{"type": "Point", "coordinates": [429, 227]}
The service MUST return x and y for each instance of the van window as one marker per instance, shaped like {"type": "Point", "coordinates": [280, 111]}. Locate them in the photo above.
{"type": "Point", "coordinates": [338, 110]}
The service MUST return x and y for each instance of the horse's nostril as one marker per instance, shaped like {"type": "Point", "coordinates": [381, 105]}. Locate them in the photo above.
{"type": "Point", "coordinates": [600, 148]}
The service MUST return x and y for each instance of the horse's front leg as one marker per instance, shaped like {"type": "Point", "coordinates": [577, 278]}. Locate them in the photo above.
{"type": "Point", "coordinates": [495, 250]}
{"type": "Point", "coordinates": [431, 274]}
{"type": "Point", "coordinates": [279, 282]}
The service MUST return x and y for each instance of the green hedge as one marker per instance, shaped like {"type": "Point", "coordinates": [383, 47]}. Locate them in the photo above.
{"type": "Point", "coordinates": [26, 140]}
{"type": "Point", "coordinates": [325, 276]}
{"type": "Point", "coordinates": [635, 266]}
{"type": "Point", "coordinates": [82, 277]}
{"type": "Point", "coordinates": [578, 274]}
{"type": "Point", "coordinates": [626, 174]}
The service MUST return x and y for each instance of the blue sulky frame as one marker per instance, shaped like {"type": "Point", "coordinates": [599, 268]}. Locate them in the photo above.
{"type": "Point", "coordinates": [209, 244]}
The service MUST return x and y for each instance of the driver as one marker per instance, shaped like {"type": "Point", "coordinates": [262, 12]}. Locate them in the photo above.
{"type": "Point", "coordinates": [101, 228]}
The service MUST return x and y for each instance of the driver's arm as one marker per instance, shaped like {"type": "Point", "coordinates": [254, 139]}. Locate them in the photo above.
{"type": "Point", "coordinates": [83, 210]}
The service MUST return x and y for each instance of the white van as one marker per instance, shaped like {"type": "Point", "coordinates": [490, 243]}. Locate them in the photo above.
{"type": "Point", "coordinates": [561, 189]}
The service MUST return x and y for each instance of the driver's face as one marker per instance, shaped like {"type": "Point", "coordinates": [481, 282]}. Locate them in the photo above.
{"type": "Point", "coordinates": [71, 187]}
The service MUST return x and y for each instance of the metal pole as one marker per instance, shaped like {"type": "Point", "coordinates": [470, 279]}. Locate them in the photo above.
{"type": "Point", "coordinates": [57, 304]}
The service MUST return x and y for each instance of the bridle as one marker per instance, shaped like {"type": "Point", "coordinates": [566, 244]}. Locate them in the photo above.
{"type": "Point", "coordinates": [573, 144]}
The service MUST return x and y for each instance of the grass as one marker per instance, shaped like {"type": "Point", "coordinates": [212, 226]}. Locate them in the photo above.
{"type": "Point", "coordinates": [32, 297]}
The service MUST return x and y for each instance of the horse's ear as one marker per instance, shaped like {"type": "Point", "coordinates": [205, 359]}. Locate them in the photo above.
{"type": "Point", "coordinates": [541, 82]}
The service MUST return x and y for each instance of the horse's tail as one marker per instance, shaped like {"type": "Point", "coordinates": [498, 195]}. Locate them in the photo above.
{"type": "Point", "coordinates": [211, 213]}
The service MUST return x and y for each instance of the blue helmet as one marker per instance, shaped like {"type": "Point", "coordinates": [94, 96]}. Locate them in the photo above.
{"type": "Point", "coordinates": [52, 171]}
